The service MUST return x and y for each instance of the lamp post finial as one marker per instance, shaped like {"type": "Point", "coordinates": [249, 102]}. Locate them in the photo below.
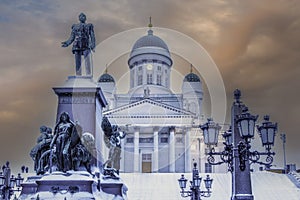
{"type": "Point", "coordinates": [237, 94]}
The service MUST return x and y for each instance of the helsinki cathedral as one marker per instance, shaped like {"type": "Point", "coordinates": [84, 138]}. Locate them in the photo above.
{"type": "Point", "coordinates": [162, 128]}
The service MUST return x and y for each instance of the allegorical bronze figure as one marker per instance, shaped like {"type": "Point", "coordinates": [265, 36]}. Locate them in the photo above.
{"type": "Point", "coordinates": [41, 163]}
{"type": "Point", "coordinates": [65, 137]}
{"type": "Point", "coordinates": [83, 39]}
{"type": "Point", "coordinates": [112, 139]}
{"type": "Point", "coordinates": [66, 149]}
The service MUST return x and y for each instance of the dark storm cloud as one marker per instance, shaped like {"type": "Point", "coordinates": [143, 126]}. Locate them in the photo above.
{"type": "Point", "coordinates": [254, 43]}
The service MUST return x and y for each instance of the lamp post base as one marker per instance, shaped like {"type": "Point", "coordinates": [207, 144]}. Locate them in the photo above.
{"type": "Point", "coordinates": [242, 197]}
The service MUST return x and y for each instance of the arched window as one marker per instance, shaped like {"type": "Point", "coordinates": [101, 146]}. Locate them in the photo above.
{"type": "Point", "coordinates": [140, 79]}
{"type": "Point", "coordinates": [149, 78]}
{"type": "Point", "coordinates": [158, 82]}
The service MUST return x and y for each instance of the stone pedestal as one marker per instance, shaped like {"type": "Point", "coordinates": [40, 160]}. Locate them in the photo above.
{"type": "Point", "coordinates": [83, 100]}
{"type": "Point", "coordinates": [113, 187]}
{"type": "Point", "coordinates": [76, 185]}
{"type": "Point", "coordinates": [79, 97]}
{"type": "Point", "coordinates": [29, 187]}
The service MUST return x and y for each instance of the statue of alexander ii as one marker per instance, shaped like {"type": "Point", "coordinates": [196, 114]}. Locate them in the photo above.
{"type": "Point", "coordinates": [83, 39]}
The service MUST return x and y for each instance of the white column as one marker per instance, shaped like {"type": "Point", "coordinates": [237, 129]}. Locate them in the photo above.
{"type": "Point", "coordinates": [155, 151]}
{"type": "Point", "coordinates": [154, 77]}
{"type": "Point", "coordinates": [172, 150]}
{"type": "Point", "coordinates": [144, 75]}
{"type": "Point", "coordinates": [136, 150]}
{"type": "Point", "coordinates": [201, 154]}
{"type": "Point", "coordinates": [122, 167]}
{"type": "Point", "coordinates": [187, 149]}
{"type": "Point", "coordinates": [135, 78]}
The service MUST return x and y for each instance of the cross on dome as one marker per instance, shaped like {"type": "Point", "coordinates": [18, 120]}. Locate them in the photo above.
{"type": "Point", "coordinates": [150, 23]}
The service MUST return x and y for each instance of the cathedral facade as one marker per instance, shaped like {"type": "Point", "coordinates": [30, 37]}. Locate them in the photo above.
{"type": "Point", "coordinates": [162, 128]}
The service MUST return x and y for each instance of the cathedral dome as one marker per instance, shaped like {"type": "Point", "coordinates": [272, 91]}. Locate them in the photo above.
{"type": "Point", "coordinates": [106, 78]}
{"type": "Point", "coordinates": [150, 40]}
{"type": "Point", "coordinates": [191, 77]}
{"type": "Point", "coordinates": [150, 48]}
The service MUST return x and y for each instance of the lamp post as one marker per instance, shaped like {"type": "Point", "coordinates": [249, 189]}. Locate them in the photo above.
{"type": "Point", "coordinates": [195, 193]}
{"type": "Point", "coordinates": [237, 146]}
{"type": "Point", "coordinates": [283, 138]}
{"type": "Point", "coordinates": [8, 182]}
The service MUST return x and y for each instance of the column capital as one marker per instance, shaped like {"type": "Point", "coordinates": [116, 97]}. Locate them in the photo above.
{"type": "Point", "coordinates": [155, 128]}
{"type": "Point", "coordinates": [172, 128]}
{"type": "Point", "coordinates": [186, 129]}
{"type": "Point", "coordinates": [136, 129]}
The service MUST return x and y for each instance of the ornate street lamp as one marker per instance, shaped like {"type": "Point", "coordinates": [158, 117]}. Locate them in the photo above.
{"type": "Point", "coordinates": [2, 179]}
{"type": "Point", "coordinates": [182, 182]}
{"type": "Point", "coordinates": [237, 153]}
{"type": "Point", "coordinates": [12, 181]}
{"type": "Point", "coordinates": [8, 183]}
{"type": "Point", "coordinates": [195, 193]}
{"type": "Point", "coordinates": [226, 154]}
{"type": "Point", "coordinates": [246, 127]}
{"type": "Point", "coordinates": [246, 124]}
{"type": "Point", "coordinates": [210, 132]}
{"type": "Point", "coordinates": [227, 135]}
{"type": "Point", "coordinates": [19, 180]}
{"type": "Point", "coordinates": [208, 183]}
{"type": "Point", "coordinates": [267, 132]}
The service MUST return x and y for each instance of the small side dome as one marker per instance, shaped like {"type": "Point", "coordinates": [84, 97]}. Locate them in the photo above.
{"type": "Point", "coordinates": [106, 78]}
{"type": "Point", "coordinates": [191, 77]}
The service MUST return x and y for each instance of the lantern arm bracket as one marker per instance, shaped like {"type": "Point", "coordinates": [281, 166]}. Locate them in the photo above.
{"type": "Point", "coordinates": [205, 193]}
{"type": "Point", "coordinates": [255, 156]}
{"type": "Point", "coordinates": [226, 156]}
{"type": "Point", "coordinates": [185, 193]}
{"type": "Point", "coordinates": [211, 160]}
{"type": "Point", "coordinates": [189, 193]}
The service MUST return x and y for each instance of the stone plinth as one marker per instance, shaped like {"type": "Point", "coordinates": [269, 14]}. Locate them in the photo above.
{"type": "Point", "coordinates": [113, 186]}
{"type": "Point", "coordinates": [76, 185]}
{"type": "Point", "coordinates": [79, 97]}
{"type": "Point", "coordinates": [59, 185]}
{"type": "Point", "coordinates": [29, 187]}
{"type": "Point", "coordinates": [83, 100]}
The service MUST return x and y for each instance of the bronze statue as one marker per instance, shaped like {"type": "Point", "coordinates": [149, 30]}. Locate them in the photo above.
{"type": "Point", "coordinates": [112, 139]}
{"type": "Point", "coordinates": [64, 135]}
{"type": "Point", "coordinates": [81, 153]}
{"type": "Point", "coordinates": [67, 149]}
{"type": "Point", "coordinates": [83, 39]}
{"type": "Point", "coordinates": [42, 146]}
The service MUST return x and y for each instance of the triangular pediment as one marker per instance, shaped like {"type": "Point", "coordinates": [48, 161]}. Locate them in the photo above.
{"type": "Point", "coordinates": [147, 107]}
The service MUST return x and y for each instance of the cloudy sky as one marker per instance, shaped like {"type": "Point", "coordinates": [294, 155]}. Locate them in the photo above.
{"type": "Point", "coordinates": [255, 44]}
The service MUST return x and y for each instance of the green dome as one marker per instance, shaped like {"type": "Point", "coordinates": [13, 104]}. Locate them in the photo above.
{"type": "Point", "coordinates": [106, 78]}
{"type": "Point", "coordinates": [191, 77]}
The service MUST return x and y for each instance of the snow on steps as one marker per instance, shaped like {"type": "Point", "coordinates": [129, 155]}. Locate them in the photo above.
{"type": "Point", "coordinates": [155, 186]}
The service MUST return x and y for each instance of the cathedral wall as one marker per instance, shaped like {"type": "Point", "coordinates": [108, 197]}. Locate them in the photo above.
{"type": "Point", "coordinates": [163, 159]}
{"type": "Point", "coordinates": [180, 159]}
{"type": "Point", "coordinates": [128, 159]}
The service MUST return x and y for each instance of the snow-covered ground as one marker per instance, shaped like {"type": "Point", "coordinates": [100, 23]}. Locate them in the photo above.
{"type": "Point", "coordinates": [265, 185]}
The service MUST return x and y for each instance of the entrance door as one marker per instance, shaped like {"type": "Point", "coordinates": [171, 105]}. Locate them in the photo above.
{"type": "Point", "coordinates": [146, 163]}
